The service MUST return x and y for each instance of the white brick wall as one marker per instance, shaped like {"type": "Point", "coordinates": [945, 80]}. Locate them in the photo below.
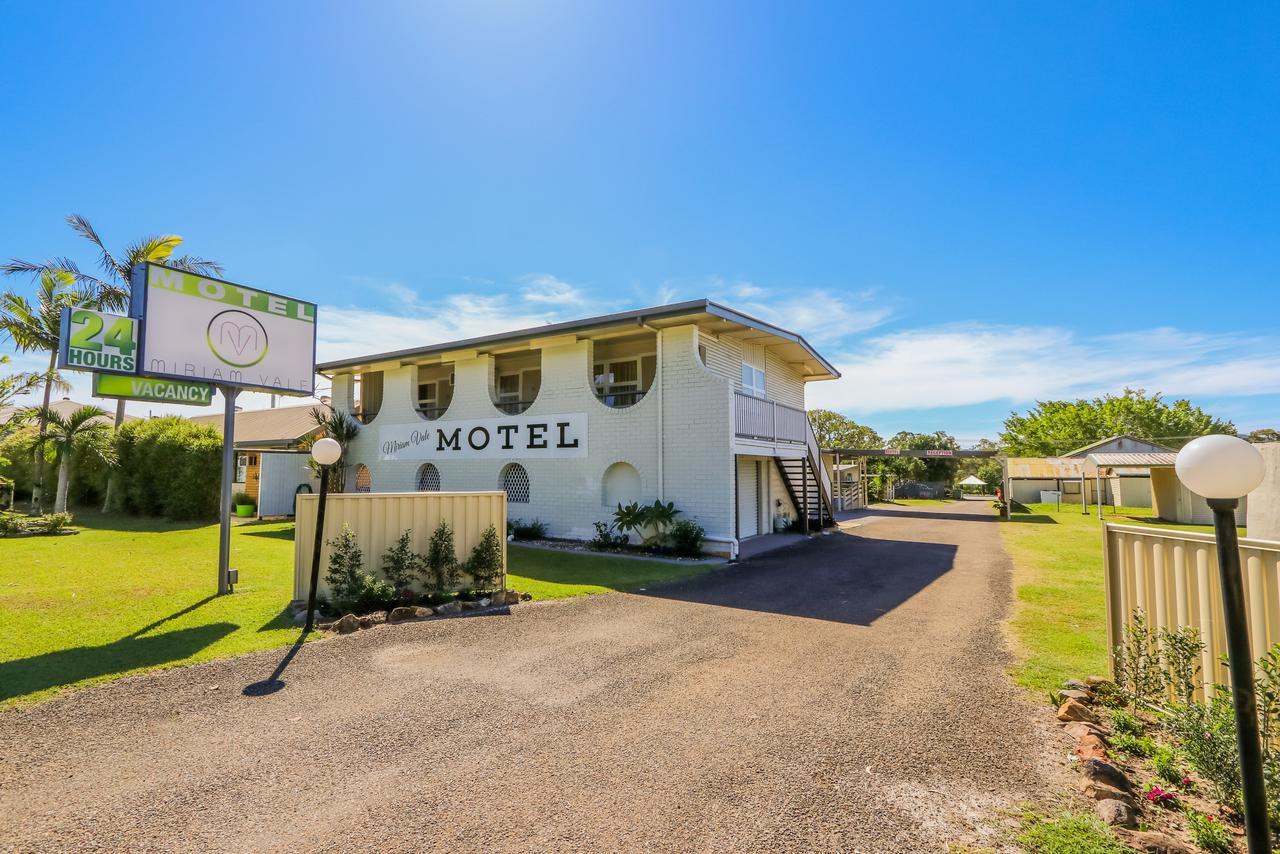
{"type": "Point", "coordinates": [696, 428]}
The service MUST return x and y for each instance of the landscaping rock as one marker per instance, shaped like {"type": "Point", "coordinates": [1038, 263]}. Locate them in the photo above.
{"type": "Point", "coordinates": [1091, 747]}
{"type": "Point", "coordinates": [1116, 813]}
{"type": "Point", "coordinates": [348, 624]}
{"type": "Point", "coordinates": [1096, 681]}
{"type": "Point", "coordinates": [1074, 710]}
{"type": "Point", "coordinates": [1082, 696]}
{"type": "Point", "coordinates": [1075, 685]}
{"type": "Point", "coordinates": [525, 597]}
{"type": "Point", "coordinates": [1102, 771]}
{"type": "Point", "coordinates": [470, 606]}
{"type": "Point", "coordinates": [368, 621]}
{"type": "Point", "coordinates": [1095, 791]}
{"type": "Point", "coordinates": [402, 614]}
{"type": "Point", "coordinates": [1079, 729]}
{"type": "Point", "coordinates": [449, 608]}
{"type": "Point", "coordinates": [1154, 842]}
{"type": "Point", "coordinates": [300, 618]}
{"type": "Point", "coordinates": [421, 611]}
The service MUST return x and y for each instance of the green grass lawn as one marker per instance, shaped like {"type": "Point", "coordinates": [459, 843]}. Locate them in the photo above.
{"type": "Point", "coordinates": [1059, 624]}
{"type": "Point", "coordinates": [128, 595]}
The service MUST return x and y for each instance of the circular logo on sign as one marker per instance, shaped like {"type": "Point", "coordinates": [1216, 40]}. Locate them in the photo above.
{"type": "Point", "coordinates": [237, 338]}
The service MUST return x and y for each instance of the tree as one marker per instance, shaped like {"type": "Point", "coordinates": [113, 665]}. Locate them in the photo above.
{"type": "Point", "coordinates": [16, 385]}
{"type": "Point", "coordinates": [65, 434]}
{"type": "Point", "coordinates": [1057, 427]}
{"type": "Point", "coordinates": [834, 430]}
{"type": "Point", "coordinates": [1266, 434]}
{"type": "Point", "coordinates": [918, 468]}
{"type": "Point", "coordinates": [36, 326]}
{"type": "Point", "coordinates": [343, 428]}
{"type": "Point", "coordinates": [111, 292]}
{"type": "Point", "coordinates": [986, 469]}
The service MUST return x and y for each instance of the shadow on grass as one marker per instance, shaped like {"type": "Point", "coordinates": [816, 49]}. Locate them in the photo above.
{"type": "Point", "coordinates": [286, 534]}
{"type": "Point", "coordinates": [1033, 518]}
{"type": "Point", "coordinates": [283, 620]}
{"type": "Point", "coordinates": [68, 666]}
{"type": "Point", "coordinates": [97, 520]}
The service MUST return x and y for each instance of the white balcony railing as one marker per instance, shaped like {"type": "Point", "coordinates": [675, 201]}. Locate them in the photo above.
{"type": "Point", "coordinates": [757, 418]}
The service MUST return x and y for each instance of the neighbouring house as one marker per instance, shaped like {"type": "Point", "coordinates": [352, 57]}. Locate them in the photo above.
{"type": "Point", "coordinates": [693, 403]}
{"type": "Point", "coordinates": [1263, 514]}
{"type": "Point", "coordinates": [1122, 485]}
{"type": "Point", "coordinates": [65, 407]}
{"type": "Point", "coordinates": [272, 454]}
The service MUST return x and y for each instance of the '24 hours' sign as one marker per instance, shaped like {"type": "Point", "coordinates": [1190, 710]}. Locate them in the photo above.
{"type": "Point", "coordinates": [97, 341]}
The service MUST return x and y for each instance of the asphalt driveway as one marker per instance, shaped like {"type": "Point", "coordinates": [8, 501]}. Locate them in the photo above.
{"type": "Point", "coordinates": [846, 694]}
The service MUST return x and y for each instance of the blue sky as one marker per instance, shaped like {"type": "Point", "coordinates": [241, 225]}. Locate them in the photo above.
{"type": "Point", "coordinates": [965, 206]}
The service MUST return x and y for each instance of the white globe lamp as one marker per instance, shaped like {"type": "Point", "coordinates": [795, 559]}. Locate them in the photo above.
{"type": "Point", "coordinates": [1220, 466]}
{"type": "Point", "coordinates": [326, 452]}
{"type": "Point", "coordinates": [1223, 469]}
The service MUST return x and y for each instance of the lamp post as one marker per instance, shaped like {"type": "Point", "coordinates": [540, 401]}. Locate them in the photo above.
{"type": "Point", "coordinates": [325, 452]}
{"type": "Point", "coordinates": [1223, 469]}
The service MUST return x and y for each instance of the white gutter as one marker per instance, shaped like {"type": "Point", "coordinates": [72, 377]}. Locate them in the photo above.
{"type": "Point", "coordinates": [657, 380]}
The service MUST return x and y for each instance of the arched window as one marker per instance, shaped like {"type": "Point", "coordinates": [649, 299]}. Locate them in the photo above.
{"type": "Point", "coordinates": [620, 485]}
{"type": "Point", "coordinates": [364, 480]}
{"type": "Point", "coordinates": [428, 478]}
{"type": "Point", "coordinates": [515, 483]}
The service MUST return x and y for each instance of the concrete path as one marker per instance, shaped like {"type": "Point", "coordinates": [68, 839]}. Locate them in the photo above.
{"type": "Point", "coordinates": [844, 694]}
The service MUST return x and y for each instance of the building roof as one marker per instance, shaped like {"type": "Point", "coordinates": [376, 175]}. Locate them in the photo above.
{"type": "Point", "coordinates": [1043, 468]}
{"type": "Point", "coordinates": [1129, 462]}
{"type": "Point", "coordinates": [283, 426]}
{"type": "Point", "coordinates": [718, 318]}
{"type": "Point", "coordinates": [1146, 444]}
{"type": "Point", "coordinates": [65, 407]}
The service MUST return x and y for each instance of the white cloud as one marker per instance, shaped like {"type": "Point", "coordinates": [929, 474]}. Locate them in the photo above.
{"type": "Point", "coordinates": [546, 288]}
{"type": "Point", "coordinates": [967, 364]}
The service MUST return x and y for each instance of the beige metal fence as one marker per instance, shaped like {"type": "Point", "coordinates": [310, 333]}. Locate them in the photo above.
{"type": "Point", "coordinates": [1173, 577]}
{"type": "Point", "coordinates": [378, 520]}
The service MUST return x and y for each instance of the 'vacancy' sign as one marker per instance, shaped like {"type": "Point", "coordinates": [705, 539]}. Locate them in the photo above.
{"type": "Point", "coordinates": [548, 437]}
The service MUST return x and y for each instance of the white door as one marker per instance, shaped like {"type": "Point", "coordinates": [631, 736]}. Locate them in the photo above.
{"type": "Point", "coordinates": [748, 498]}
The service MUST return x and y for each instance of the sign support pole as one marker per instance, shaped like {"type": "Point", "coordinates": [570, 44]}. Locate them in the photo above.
{"type": "Point", "coordinates": [228, 478]}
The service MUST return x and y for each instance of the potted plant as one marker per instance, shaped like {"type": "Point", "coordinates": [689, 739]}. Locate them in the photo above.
{"type": "Point", "coordinates": [243, 502]}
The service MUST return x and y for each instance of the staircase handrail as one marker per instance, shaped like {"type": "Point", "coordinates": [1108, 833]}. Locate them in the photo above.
{"type": "Point", "coordinates": [815, 459]}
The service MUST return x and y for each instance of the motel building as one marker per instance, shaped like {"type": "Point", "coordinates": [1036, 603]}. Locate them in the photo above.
{"type": "Point", "coordinates": [692, 403]}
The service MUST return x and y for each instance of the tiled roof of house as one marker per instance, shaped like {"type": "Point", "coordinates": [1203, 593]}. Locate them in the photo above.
{"type": "Point", "coordinates": [282, 426]}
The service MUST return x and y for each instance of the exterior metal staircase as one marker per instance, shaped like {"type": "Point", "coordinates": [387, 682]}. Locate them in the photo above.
{"type": "Point", "coordinates": [809, 485]}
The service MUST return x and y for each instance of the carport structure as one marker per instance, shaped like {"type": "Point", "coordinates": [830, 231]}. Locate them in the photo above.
{"type": "Point", "coordinates": [848, 467]}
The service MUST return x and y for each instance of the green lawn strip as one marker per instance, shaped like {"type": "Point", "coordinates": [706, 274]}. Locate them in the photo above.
{"type": "Point", "coordinates": [1059, 624]}
{"type": "Point", "coordinates": [554, 574]}
{"type": "Point", "coordinates": [127, 595]}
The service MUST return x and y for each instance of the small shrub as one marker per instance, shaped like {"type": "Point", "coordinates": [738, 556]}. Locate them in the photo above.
{"type": "Point", "coordinates": [440, 569]}
{"type": "Point", "coordinates": [521, 530]}
{"type": "Point", "coordinates": [1137, 663]}
{"type": "Point", "coordinates": [351, 587]}
{"type": "Point", "coordinates": [1071, 833]}
{"type": "Point", "coordinates": [1165, 760]}
{"type": "Point", "coordinates": [51, 523]}
{"type": "Point", "coordinates": [687, 537]}
{"type": "Point", "coordinates": [485, 564]}
{"type": "Point", "coordinates": [1180, 652]}
{"type": "Point", "coordinates": [1210, 833]}
{"type": "Point", "coordinates": [650, 522]}
{"type": "Point", "coordinates": [241, 498]}
{"type": "Point", "coordinates": [606, 539]}
{"type": "Point", "coordinates": [12, 524]}
{"type": "Point", "coordinates": [1134, 745]}
{"type": "Point", "coordinates": [1207, 732]}
{"type": "Point", "coordinates": [1125, 723]}
{"type": "Point", "coordinates": [400, 564]}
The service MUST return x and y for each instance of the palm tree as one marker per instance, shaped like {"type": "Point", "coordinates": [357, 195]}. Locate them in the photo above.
{"type": "Point", "coordinates": [111, 291]}
{"type": "Point", "coordinates": [63, 433]}
{"type": "Point", "coordinates": [36, 326]}
{"type": "Point", "coordinates": [24, 382]}
{"type": "Point", "coordinates": [341, 427]}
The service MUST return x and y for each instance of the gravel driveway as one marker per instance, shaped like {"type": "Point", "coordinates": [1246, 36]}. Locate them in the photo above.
{"type": "Point", "coordinates": [845, 694]}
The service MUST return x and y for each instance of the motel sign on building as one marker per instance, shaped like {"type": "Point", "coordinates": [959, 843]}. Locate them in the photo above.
{"type": "Point", "coordinates": [693, 403]}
